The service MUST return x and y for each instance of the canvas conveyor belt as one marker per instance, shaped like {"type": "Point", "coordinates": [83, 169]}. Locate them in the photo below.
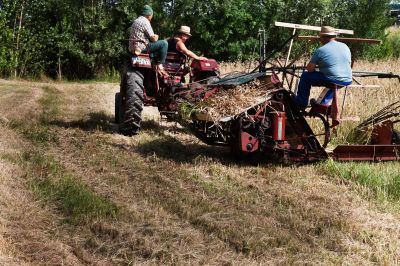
{"type": "Point", "coordinates": [234, 94]}
{"type": "Point", "coordinates": [236, 79]}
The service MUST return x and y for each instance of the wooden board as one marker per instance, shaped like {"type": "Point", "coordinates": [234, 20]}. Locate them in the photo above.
{"type": "Point", "coordinates": [308, 27]}
{"type": "Point", "coordinates": [359, 40]}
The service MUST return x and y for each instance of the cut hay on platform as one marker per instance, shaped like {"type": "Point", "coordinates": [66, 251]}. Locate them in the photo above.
{"type": "Point", "coordinates": [234, 100]}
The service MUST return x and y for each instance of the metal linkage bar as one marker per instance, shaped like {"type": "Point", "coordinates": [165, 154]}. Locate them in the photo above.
{"type": "Point", "coordinates": [341, 39]}
{"type": "Point", "coordinates": [375, 74]}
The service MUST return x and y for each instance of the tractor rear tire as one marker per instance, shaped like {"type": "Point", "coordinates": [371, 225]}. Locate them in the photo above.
{"type": "Point", "coordinates": [132, 115]}
{"type": "Point", "coordinates": [118, 114]}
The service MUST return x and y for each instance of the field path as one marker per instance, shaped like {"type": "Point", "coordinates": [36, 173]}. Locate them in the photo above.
{"type": "Point", "coordinates": [179, 201]}
{"type": "Point", "coordinates": [26, 227]}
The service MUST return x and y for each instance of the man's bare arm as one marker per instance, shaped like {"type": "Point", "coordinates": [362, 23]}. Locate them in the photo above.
{"type": "Point", "coordinates": [182, 47]}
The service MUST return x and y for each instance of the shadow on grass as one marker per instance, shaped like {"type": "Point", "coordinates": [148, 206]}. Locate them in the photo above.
{"type": "Point", "coordinates": [104, 122]}
{"type": "Point", "coordinates": [166, 146]}
{"type": "Point", "coordinates": [171, 148]}
{"type": "Point", "coordinates": [151, 125]}
{"type": "Point", "coordinates": [96, 121]}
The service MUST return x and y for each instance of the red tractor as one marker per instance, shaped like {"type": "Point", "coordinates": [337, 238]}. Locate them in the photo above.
{"type": "Point", "coordinates": [273, 127]}
{"type": "Point", "coordinates": [141, 85]}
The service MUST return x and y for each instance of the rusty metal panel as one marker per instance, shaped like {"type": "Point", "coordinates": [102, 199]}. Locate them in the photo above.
{"type": "Point", "coordinates": [383, 133]}
{"type": "Point", "coordinates": [375, 153]}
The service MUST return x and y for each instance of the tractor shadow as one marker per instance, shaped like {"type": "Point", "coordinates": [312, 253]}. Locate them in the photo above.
{"type": "Point", "coordinates": [171, 148]}
{"type": "Point", "coordinates": [155, 127]}
{"type": "Point", "coordinates": [165, 146]}
{"type": "Point", "coordinates": [101, 121]}
{"type": "Point", "coordinates": [95, 121]}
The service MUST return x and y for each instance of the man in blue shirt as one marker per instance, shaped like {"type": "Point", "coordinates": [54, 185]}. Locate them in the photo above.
{"type": "Point", "coordinates": [334, 62]}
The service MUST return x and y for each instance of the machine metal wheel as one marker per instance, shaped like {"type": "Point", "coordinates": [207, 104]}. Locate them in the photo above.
{"type": "Point", "coordinates": [396, 137]}
{"type": "Point", "coordinates": [132, 101]}
{"type": "Point", "coordinates": [321, 130]}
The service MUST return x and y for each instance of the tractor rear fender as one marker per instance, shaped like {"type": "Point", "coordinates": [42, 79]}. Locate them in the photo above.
{"type": "Point", "coordinates": [141, 61]}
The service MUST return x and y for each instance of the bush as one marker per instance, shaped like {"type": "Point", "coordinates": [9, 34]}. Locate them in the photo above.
{"type": "Point", "coordinates": [393, 41]}
{"type": "Point", "coordinates": [390, 47]}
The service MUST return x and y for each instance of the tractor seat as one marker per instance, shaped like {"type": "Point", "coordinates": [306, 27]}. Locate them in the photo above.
{"type": "Point", "coordinates": [327, 84]}
{"type": "Point", "coordinates": [175, 64]}
{"type": "Point", "coordinates": [327, 94]}
{"type": "Point", "coordinates": [326, 103]}
{"type": "Point", "coordinates": [175, 57]}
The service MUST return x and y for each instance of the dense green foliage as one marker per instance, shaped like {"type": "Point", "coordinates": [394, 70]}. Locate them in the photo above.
{"type": "Point", "coordinates": [85, 38]}
{"type": "Point", "coordinates": [389, 48]}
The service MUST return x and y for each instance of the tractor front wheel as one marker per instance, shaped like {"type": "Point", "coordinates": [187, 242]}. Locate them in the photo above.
{"type": "Point", "coordinates": [133, 103]}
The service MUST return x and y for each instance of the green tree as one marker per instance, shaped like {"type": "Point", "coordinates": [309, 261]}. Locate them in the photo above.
{"type": "Point", "coordinates": [84, 38]}
{"type": "Point", "coordinates": [5, 36]}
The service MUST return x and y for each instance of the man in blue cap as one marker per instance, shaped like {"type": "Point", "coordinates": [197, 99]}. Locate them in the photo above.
{"type": "Point", "coordinates": [143, 39]}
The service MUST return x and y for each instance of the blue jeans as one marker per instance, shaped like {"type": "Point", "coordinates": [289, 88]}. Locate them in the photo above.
{"type": "Point", "coordinates": [159, 49]}
{"type": "Point", "coordinates": [308, 79]}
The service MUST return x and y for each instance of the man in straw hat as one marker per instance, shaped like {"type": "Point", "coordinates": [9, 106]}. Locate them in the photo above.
{"type": "Point", "coordinates": [334, 62]}
{"type": "Point", "coordinates": [177, 43]}
{"type": "Point", "coordinates": [143, 39]}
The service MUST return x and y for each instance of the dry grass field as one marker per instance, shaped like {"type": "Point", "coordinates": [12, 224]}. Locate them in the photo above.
{"type": "Point", "coordinates": [74, 192]}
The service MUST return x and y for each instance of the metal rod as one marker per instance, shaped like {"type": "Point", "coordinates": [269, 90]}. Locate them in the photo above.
{"type": "Point", "coordinates": [341, 39]}
{"type": "Point", "coordinates": [261, 67]}
{"type": "Point", "coordinates": [375, 74]}
{"type": "Point", "coordinates": [344, 100]}
{"type": "Point", "coordinates": [263, 47]}
{"type": "Point", "coordinates": [261, 33]}
{"type": "Point", "coordinates": [290, 48]}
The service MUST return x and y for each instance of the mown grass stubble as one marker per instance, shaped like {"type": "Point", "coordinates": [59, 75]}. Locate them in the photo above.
{"type": "Point", "coordinates": [185, 202]}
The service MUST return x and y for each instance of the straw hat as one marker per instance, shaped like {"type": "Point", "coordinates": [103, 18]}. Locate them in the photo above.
{"type": "Point", "coordinates": [328, 31]}
{"type": "Point", "coordinates": [184, 30]}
